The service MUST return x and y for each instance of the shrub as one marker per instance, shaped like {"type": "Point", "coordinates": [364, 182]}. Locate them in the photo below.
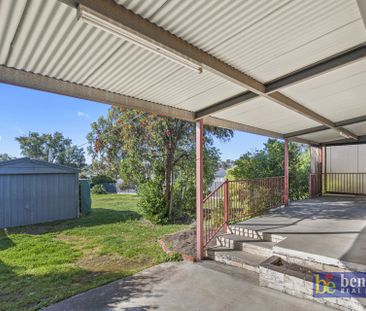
{"type": "Point", "coordinates": [98, 189]}
{"type": "Point", "coordinates": [152, 202]}
{"type": "Point", "coordinates": [101, 179]}
{"type": "Point", "coordinates": [174, 257]}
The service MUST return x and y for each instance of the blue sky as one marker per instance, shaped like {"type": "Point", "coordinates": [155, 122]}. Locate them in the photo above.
{"type": "Point", "coordinates": [25, 110]}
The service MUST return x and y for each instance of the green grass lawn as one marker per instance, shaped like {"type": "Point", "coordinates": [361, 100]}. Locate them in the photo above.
{"type": "Point", "coordinates": [42, 264]}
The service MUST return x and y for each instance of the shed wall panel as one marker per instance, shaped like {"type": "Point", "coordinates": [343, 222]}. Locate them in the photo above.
{"type": "Point", "coordinates": [31, 199]}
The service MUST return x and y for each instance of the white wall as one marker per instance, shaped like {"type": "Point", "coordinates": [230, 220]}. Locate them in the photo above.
{"type": "Point", "coordinates": [346, 159]}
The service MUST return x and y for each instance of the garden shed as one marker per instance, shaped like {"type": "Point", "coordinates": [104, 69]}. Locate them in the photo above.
{"type": "Point", "coordinates": [33, 191]}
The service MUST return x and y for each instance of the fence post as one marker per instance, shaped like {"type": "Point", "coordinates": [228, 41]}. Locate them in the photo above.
{"type": "Point", "coordinates": [226, 205]}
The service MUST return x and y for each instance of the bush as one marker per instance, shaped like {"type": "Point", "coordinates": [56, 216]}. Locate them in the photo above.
{"type": "Point", "coordinates": [152, 202]}
{"type": "Point", "coordinates": [174, 257]}
{"type": "Point", "coordinates": [98, 189]}
{"type": "Point", "coordinates": [101, 179]}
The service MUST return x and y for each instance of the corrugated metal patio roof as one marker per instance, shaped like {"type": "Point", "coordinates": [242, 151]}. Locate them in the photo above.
{"type": "Point", "coordinates": [45, 46]}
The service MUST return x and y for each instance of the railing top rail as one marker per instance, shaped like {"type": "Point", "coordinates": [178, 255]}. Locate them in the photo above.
{"type": "Point", "coordinates": [259, 178]}
{"type": "Point", "coordinates": [213, 191]}
{"type": "Point", "coordinates": [344, 173]}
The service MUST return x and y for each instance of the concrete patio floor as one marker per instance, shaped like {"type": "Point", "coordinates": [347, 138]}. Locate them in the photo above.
{"type": "Point", "coordinates": [186, 286]}
{"type": "Point", "coordinates": [332, 228]}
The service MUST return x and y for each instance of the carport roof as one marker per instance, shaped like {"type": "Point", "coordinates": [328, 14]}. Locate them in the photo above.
{"type": "Point", "coordinates": [285, 69]}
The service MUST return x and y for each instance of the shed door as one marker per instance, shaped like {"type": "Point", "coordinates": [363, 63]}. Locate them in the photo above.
{"type": "Point", "coordinates": [31, 199]}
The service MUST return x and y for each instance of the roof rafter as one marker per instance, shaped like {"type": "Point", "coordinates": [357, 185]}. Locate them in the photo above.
{"type": "Point", "coordinates": [323, 128]}
{"type": "Point", "coordinates": [36, 81]}
{"type": "Point", "coordinates": [122, 17]}
{"type": "Point", "coordinates": [293, 105]}
{"type": "Point", "coordinates": [308, 72]}
{"type": "Point", "coordinates": [340, 142]}
{"type": "Point", "coordinates": [225, 104]}
{"type": "Point", "coordinates": [321, 67]}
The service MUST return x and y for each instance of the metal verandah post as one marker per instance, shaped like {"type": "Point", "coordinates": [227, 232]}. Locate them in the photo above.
{"type": "Point", "coordinates": [286, 181]}
{"type": "Point", "coordinates": [310, 186]}
{"type": "Point", "coordinates": [226, 205]}
{"type": "Point", "coordinates": [320, 172]}
{"type": "Point", "coordinates": [199, 189]}
{"type": "Point", "coordinates": [325, 168]}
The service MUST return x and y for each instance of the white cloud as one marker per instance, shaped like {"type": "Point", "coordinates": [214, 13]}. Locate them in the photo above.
{"type": "Point", "coordinates": [83, 114]}
{"type": "Point", "coordinates": [1, 138]}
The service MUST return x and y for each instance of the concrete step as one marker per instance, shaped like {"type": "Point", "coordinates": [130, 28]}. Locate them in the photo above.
{"type": "Point", "coordinates": [251, 232]}
{"type": "Point", "coordinates": [246, 232]}
{"type": "Point", "coordinates": [250, 245]}
{"type": "Point", "coordinates": [293, 279]}
{"type": "Point", "coordinates": [235, 258]}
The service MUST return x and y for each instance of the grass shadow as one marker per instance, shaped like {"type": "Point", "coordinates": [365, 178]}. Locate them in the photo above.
{"type": "Point", "coordinates": [33, 293]}
{"type": "Point", "coordinates": [5, 241]}
{"type": "Point", "coordinates": [99, 216]}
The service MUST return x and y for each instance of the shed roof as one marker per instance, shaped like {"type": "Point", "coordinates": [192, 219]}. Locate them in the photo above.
{"type": "Point", "coordinates": [287, 69]}
{"type": "Point", "coordinates": [27, 166]}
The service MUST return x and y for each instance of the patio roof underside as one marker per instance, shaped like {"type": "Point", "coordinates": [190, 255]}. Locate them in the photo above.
{"type": "Point", "coordinates": [280, 68]}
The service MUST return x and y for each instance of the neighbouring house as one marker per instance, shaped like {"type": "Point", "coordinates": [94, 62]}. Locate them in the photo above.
{"type": "Point", "coordinates": [121, 189]}
{"type": "Point", "coordinates": [33, 191]}
{"type": "Point", "coordinates": [220, 175]}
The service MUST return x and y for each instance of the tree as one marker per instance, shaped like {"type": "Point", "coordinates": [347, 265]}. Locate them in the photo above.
{"type": "Point", "coordinates": [5, 157]}
{"type": "Point", "coordinates": [158, 155]}
{"type": "Point", "coordinates": [107, 153]}
{"type": "Point", "coordinates": [270, 162]}
{"type": "Point", "coordinates": [227, 164]}
{"type": "Point", "coordinates": [54, 148]}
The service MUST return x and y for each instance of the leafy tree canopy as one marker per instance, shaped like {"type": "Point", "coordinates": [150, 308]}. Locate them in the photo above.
{"type": "Point", "coordinates": [54, 148]}
{"type": "Point", "coordinates": [158, 155]}
{"type": "Point", "coordinates": [270, 162]}
{"type": "Point", "coordinates": [5, 157]}
{"type": "Point", "coordinates": [101, 179]}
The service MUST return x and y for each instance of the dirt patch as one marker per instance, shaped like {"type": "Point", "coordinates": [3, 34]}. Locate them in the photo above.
{"type": "Point", "coordinates": [183, 242]}
{"type": "Point", "coordinates": [70, 238]}
{"type": "Point", "coordinates": [96, 263]}
{"type": "Point", "coordinates": [76, 242]}
{"type": "Point", "coordinates": [107, 263]}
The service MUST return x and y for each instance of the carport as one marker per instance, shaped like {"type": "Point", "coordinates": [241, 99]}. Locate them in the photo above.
{"type": "Point", "coordinates": [292, 70]}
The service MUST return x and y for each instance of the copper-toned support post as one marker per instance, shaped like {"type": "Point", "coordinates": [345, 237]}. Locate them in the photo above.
{"type": "Point", "coordinates": [325, 168]}
{"type": "Point", "coordinates": [320, 172]}
{"type": "Point", "coordinates": [199, 189]}
{"type": "Point", "coordinates": [226, 205]}
{"type": "Point", "coordinates": [285, 193]}
{"type": "Point", "coordinates": [310, 188]}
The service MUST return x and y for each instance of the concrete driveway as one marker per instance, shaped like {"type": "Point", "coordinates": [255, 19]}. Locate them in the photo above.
{"type": "Point", "coordinates": [186, 286]}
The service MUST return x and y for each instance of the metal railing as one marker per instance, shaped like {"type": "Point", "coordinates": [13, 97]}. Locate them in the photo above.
{"type": "Point", "coordinates": [345, 183]}
{"type": "Point", "coordinates": [236, 200]}
{"type": "Point", "coordinates": [315, 185]}
{"type": "Point", "coordinates": [214, 208]}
